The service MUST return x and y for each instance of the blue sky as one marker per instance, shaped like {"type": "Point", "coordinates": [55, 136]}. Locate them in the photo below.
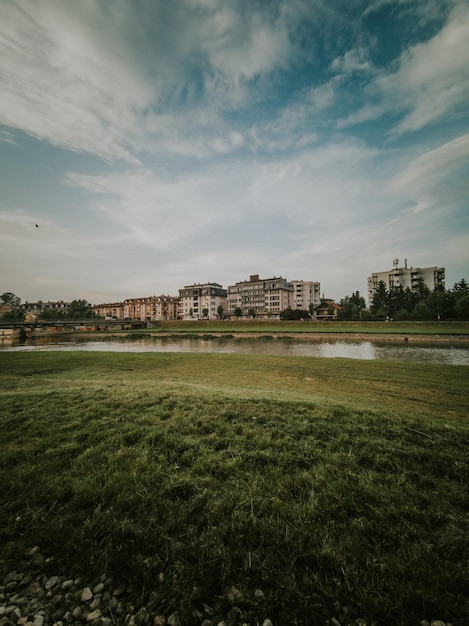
{"type": "Point", "coordinates": [157, 144]}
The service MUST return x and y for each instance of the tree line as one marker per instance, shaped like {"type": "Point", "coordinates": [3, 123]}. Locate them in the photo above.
{"type": "Point", "coordinates": [79, 309]}
{"type": "Point", "coordinates": [418, 303]}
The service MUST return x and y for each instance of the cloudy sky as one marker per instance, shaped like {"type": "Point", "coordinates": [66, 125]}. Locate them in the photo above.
{"type": "Point", "coordinates": [160, 143]}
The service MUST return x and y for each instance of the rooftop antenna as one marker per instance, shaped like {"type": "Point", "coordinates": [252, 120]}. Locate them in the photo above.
{"type": "Point", "coordinates": [395, 263]}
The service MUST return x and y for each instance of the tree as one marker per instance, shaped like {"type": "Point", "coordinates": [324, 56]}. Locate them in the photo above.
{"type": "Point", "coordinates": [238, 311]}
{"type": "Point", "coordinates": [204, 313]}
{"type": "Point", "coordinates": [80, 309]}
{"type": "Point", "coordinates": [14, 313]}
{"type": "Point", "coordinates": [351, 307]}
{"type": "Point", "coordinates": [286, 314]}
{"type": "Point", "coordinates": [462, 307]}
{"type": "Point", "coordinates": [252, 313]}
{"type": "Point", "coordinates": [10, 299]}
{"type": "Point", "coordinates": [461, 288]}
{"type": "Point", "coordinates": [220, 312]}
{"type": "Point", "coordinates": [380, 299]}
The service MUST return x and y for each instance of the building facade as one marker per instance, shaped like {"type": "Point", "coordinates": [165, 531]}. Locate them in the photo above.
{"type": "Point", "coordinates": [405, 277]}
{"type": "Point", "coordinates": [110, 310]}
{"type": "Point", "coordinates": [198, 302]}
{"type": "Point", "coordinates": [260, 297]}
{"type": "Point", "coordinates": [151, 308]}
{"type": "Point", "coordinates": [307, 294]}
{"type": "Point", "coordinates": [59, 306]}
{"type": "Point", "coordinates": [326, 310]}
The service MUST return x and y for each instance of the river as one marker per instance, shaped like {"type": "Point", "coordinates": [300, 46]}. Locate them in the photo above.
{"type": "Point", "coordinates": [280, 346]}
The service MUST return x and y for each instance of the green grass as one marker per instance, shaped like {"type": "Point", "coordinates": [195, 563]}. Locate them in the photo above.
{"type": "Point", "coordinates": [275, 327]}
{"type": "Point", "coordinates": [312, 479]}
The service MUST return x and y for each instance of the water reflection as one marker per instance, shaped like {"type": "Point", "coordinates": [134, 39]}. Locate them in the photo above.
{"type": "Point", "coordinates": [281, 346]}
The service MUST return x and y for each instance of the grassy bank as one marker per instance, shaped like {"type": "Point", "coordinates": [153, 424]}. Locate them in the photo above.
{"type": "Point", "coordinates": [313, 480]}
{"type": "Point", "coordinates": [276, 327]}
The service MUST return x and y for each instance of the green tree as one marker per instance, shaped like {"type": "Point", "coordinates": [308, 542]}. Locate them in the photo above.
{"type": "Point", "coordinates": [462, 307]}
{"type": "Point", "coordinates": [204, 313]}
{"type": "Point", "coordinates": [80, 309]}
{"type": "Point", "coordinates": [422, 311]}
{"type": "Point", "coordinates": [461, 288]}
{"type": "Point", "coordinates": [252, 313]}
{"type": "Point", "coordinates": [380, 300]}
{"type": "Point", "coordinates": [238, 311]}
{"type": "Point", "coordinates": [10, 299]}
{"type": "Point", "coordinates": [286, 314]}
{"type": "Point", "coordinates": [220, 312]}
{"type": "Point", "coordinates": [15, 313]}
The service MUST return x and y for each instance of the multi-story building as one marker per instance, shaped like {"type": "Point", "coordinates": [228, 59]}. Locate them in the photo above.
{"type": "Point", "coordinates": [307, 294]}
{"type": "Point", "coordinates": [151, 308]}
{"type": "Point", "coordinates": [198, 301]}
{"type": "Point", "coordinates": [110, 309]}
{"type": "Point", "coordinates": [260, 297]}
{"type": "Point", "coordinates": [59, 306]}
{"type": "Point", "coordinates": [405, 277]}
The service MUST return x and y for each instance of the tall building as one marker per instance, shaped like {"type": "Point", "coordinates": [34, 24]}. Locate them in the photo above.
{"type": "Point", "coordinates": [405, 277]}
{"type": "Point", "coordinates": [306, 293]}
{"type": "Point", "coordinates": [262, 297]}
{"type": "Point", "coordinates": [197, 302]}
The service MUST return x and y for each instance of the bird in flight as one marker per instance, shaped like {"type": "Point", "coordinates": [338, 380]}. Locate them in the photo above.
{"type": "Point", "coordinates": [37, 226]}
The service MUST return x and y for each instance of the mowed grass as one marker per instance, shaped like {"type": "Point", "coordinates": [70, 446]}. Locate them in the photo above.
{"type": "Point", "coordinates": [314, 480]}
{"type": "Point", "coordinates": [291, 327]}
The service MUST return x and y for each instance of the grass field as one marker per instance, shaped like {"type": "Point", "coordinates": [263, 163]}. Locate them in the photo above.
{"type": "Point", "coordinates": [275, 327]}
{"type": "Point", "coordinates": [314, 480]}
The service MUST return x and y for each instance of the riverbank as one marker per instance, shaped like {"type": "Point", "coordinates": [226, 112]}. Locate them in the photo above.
{"type": "Point", "coordinates": [396, 338]}
{"type": "Point", "coordinates": [227, 487]}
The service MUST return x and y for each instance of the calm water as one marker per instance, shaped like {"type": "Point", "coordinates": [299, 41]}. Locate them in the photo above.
{"type": "Point", "coordinates": [433, 353]}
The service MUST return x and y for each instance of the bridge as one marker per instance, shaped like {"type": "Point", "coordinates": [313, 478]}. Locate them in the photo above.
{"type": "Point", "coordinates": [78, 323]}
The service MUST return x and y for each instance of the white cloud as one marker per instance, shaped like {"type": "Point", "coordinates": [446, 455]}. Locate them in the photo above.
{"type": "Point", "coordinates": [430, 83]}
{"type": "Point", "coordinates": [421, 179]}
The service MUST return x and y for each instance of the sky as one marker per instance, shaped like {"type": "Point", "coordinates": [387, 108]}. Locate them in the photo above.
{"type": "Point", "coordinates": [146, 145]}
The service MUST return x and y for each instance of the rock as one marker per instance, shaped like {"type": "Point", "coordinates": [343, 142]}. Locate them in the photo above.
{"type": "Point", "coordinates": [96, 614]}
{"type": "Point", "coordinates": [267, 622]}
{"type": "Point", "coordinates": [86, 595]}
{"type": "Point", "coordinates": [67, 585]}
{"type": "Point", "coordinates": [38, 620]}
{"type": "Point", "coordinates": [51, 582]}
{"type": "Point", "coordinates": [160, 620]}
{"type": "Point", "coordinates": [173, 620]}
{"type": "Point", "coordinates": [437, 622]}
{"type": "Point", "coordinates": [76, 613]}
{"type": "Point", "coordinates": [259, 595]}
{"type": "Point", "coordinates": [99, 588]}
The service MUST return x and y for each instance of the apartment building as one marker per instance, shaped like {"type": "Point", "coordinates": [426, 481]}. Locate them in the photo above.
{"type": "Point", "coordinates": [38, 307]}
{"type": "Point", "coordinates": [261, 297]}
{"type": "Point", "coordinates": [151, 308]}
{"type": "Point", "coordinates": [198, 301]}
{"type": "Point", "coordinates": [110, 309]}
{"type": "Point", "coordinates": [306, 294]}
{"type": "Point", "coordinates": [406, 277]}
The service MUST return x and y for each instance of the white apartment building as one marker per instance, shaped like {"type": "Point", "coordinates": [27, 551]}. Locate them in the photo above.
{"type": "Point", "coordinates": [197, 302]}
{"type": "Point", "coordinates": [306, 293]}
{"type": "Point", "coordinates": [261, 297]}
{"type": "Point", "coordinates": [406, 277]}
